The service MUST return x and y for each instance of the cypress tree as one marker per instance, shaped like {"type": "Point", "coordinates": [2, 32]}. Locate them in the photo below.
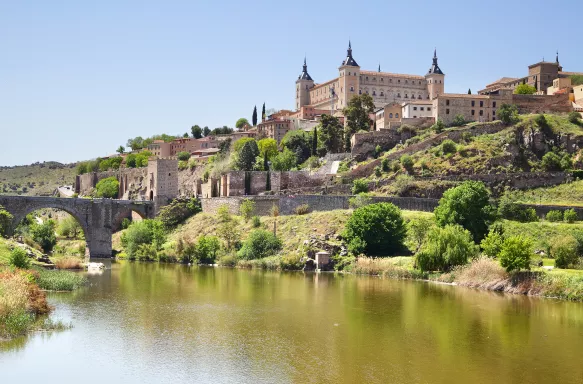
{"type": "Point", "coordinates": [469, 91]}
{"type": "Point", "coordinates": [263, 112]}
{"type": "Point", "coordinates": [315, 142]}
{"type": "Point", "coordinates": [254, 117]}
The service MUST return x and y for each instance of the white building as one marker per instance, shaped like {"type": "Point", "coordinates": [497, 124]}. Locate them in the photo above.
{"type": "Point", "coordinates": [418, 108]}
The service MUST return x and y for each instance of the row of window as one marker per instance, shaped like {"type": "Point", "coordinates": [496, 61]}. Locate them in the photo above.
{"type": "Point", "coordinates": [474, 103]}
{"type": "Point", "coordinates": [473, 112]}
{"type": "Point", "coordinates": [422, 108]}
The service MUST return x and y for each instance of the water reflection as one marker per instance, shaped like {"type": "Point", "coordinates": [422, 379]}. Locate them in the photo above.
{"type": "Point", "coordinates": [151, 323]}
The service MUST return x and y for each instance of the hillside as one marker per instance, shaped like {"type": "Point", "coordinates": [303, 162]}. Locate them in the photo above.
{"type": "Point", "coordinates": [39, 179]}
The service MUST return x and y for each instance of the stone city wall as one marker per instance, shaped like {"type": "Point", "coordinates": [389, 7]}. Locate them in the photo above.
{"type": "Point", "coordinates": [542, 103]}
{"type": "Point", "coordinates": [132, 182]}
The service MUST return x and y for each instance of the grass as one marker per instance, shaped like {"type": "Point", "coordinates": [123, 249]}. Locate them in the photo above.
{"type": "Point", "coordinates": [40, 179]}
{"type": "Point", "coordinates": [68, 262]}
{"type": "Point", "coordinates": [568, 194]}
{"type": "Point", "coordinates": [59, 280]}
{"type": "Point", "coordinates": [541, 233]}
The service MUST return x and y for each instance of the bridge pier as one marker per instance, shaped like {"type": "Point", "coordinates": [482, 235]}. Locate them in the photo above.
{"type": "Point", "coordinates": [98, 217]}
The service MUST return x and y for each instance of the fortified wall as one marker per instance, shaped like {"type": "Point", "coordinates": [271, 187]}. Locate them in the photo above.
{"type": "Point", "coordinates": [542, 103]}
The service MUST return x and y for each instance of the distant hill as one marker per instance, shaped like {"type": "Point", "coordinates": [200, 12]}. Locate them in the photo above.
{"type": "Point", "coordinates": [38, 179]}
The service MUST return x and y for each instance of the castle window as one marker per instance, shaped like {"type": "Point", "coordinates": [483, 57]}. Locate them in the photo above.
{"type": "Point", "coordinates": [428, 109]}
{"type": "Point", "coordinates": [419, 82]}
{"type": "Point", "coordinates": [390, 80]}
{"type": "Point", "coordinates": [390, 115]}
{"type": "Point", "coordinates": [494, 104]}
{"type": "Point", "coordinates": [381, 79]}
{"type": "Point", "coordinates": [414, 108]}
{"type": "Point", "coordinates": [374, 93]}
{"type": "Point", "coordinates": [398, 81]}
{"type": "Point", "coordinates": [481, 113]}
{"type": "Point", "coordinates": [473, 112]}
{"type": "Point", "coordinates": [351, 89]}
{"type": "Point", "coordinates": [446, 102]}
{"type": "Point", "coordinates": [406, 82]}
{"type": "Point", "coordinates": [406, 97]}
{"type": "Point", "coordinates": [367, 78]}
{"type": "Point", "coordinates": [397, 115]}
{"type": "Point", "coordinates": [481, 104]}
{"type": "Point", "coordinates": [419, 96]}
{"type": "Point", "coordinates": [367, 92]}
{"type": "Point", "coordinates": [421, 108]}
{"type": "Point", "coordinates": [398, 95]}
{"type": "Point", "coordinates": [360, 91]}
{"type": "Point", "coordinates": [447, 111]}
{"type": "Point", "coordinates": [494, 113]}
{"type": "Point", "coordinates": [382, 93]}
{"type": "Point", "coordinates": [473, 103]}
{"type": "Point", "coordinates": [374, 79]}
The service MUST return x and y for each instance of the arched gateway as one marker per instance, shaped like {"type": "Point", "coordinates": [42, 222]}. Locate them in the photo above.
{"type": "Point", "coordinates": [97, 217]}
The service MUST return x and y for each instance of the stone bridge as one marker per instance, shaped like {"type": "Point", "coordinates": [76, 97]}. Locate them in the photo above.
{"type": "Point", "coordinates": [99, 218]}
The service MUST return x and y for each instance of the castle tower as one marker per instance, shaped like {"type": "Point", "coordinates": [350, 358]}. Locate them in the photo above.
{"type": "Point", "coordinates": [303, 85]}
{"type": "Point", "coordinates": [162, 181]}
{"type": "Point", "coordinates": [435, 79]}
{"type": "Point", "coordinates": [349, 79]}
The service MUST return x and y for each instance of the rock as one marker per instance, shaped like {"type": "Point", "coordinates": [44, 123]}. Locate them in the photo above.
{"type": "Point", "coordinates": [44, 259]}
{"type": "Point", "coordinates": [338, 237]}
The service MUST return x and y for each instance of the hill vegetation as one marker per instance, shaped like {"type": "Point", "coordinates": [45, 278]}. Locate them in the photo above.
{"type": "Point", "coordinates": [39, 179]}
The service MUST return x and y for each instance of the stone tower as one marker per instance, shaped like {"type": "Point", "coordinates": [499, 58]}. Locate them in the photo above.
{"type": "Point", "coordinates": [349, 79]}
{"type": "Point", "coordinates": [162, 181]}
{"type": "Point", "coordinates": [435, 79]}
{"type": "Point", "coordinates": [303, 85]}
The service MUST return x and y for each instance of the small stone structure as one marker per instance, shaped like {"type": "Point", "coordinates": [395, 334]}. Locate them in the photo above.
{"type": "Point", "coordinates": [98, 217]}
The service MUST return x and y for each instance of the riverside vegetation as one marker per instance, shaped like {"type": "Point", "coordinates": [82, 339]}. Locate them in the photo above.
{"type": "Point", "coordinates": [468, 240]}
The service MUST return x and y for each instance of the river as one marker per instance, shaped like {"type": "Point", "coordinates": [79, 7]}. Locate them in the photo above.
{"type": "Point", "coordinates": [165, 323]}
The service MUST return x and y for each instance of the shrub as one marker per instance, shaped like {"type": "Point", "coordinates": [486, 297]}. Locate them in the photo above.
{"type": "Point", "coordinates": [259, 244]}
{"type": "Point", "coordinates": [570, 216]}
{"type": "Point", "coordinates": [255, 221]}
{"type": "Point", "coordinates": [525, 89]}
{"type": "Point", "coordinates": [284, 161]}
{"type": "Point", "coordinates": [508, 114]}
{"type": "Point", "coordinates": [302, 209]}
{"type": "Point", "coordinates": [377, 171]}
{"type": "Point", "coordinates": [69, 227]}
{"type": "Point", "coordinates": [125, 223]}
{"type": "Point", "coordinates": [417, 230]}
{"type": "Point", "coordinates": [19, 258]}
{"type": "Point", "coordinates": [551, 162]}
{"type": "Point", "coordinates": [516, 253]}
{"type": "Point", "coordinates": [359, 200]}
{"type": "Point", "coordinates": [574, 117]}
{"type": "Point", "coordinates": [376, 229]}
{"type": "Point", "coordinates": [183, 156]}
{"type": "Point", "coordinates": [44, 235]}
{"type": "Point", "coordinates": [458, 120]}
{"type": "Point", "coordinates": [359, 186]}
{"type": "Point", "coordinates": [564, 251]}
{"type": "Point", "coordinates": [107, 188]}
{"type": "Point", "coordinates": [467, 205]}
{"type": "Point", "coordinates": [438, 126]}
{"type": "Point", "coordinates": [492, 244]}
{"type": "Point", "coordinates": [385, 165]}
{"type": "Point", "coordinates": [246, 209]}
{"type": "Point", "coordinates": [509, 209]}
{"type": "Point", "coordinates": [554, 216]}
{"type": "Point", "coordinates": [446, 248]}
{"type": "Point", "coordinates": [227, 260]}
{"type": "Point", "coordinates": [145, 232]}
{"type": "Point", "coordinates": [178, 211]}
{"type": "Point", "coordinates": [5, 220]}
{"type": "Point", "coordinates": [448, 146]}
{"type": "Point", "coordinates": [207, 248]}
{"type": "Point", "coordinates": [68, 263]}
{"type": "Point", "coordinates": [407, 163]}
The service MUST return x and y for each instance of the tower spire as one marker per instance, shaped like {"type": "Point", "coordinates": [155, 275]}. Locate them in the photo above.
{"type": "Point", "coordinates": [435, 67]}
{"type": "Point", "coordinates": [349, 60]}
{"type": "Point", "coordinates": [379, 67]}
{"type": "Point", "coordinates": [557, 59]}
{"type": "Point", "coordinates": [304, 75]}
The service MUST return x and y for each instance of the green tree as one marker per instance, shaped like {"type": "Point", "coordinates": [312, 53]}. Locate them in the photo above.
{"type": "Point", "coordinates": [120, 150]}
{"type": "Point", "coordinates": [516, 253]}
{"type": "Point", "coordinates": [439, 126]}
{"type": "Point", "coordinates": [359, 186]}
{"type": "Point", "coordinates": [570, 215]}
{"type": "Point", "coordinates": [575, 117]}
{"type": "Point", "coordinates": [246, 209]}
{"type": "Point", "coordinates": [247, 156]}
{"type": "Point", "coordinates": [458, 120]}
{"type": "Point", "coordinates": [263, 112]}
{"type": "Point", "coordinates": [135, 143]}
{"type": "Point", "coordinates": [69, 227]}
{"type": "Point", "coordinates": [492, 244]}
{"type": "Point", "coordinates": [551, 162]}
{"type": "Point", "coordinates": [508, 114]}
{"type": "Point", "coordinates": [140, 233]}
{"type": "Point", "coordinates": [259, 244]}
{"type": "Point", "coordinates": [467, 205]}
{"type": "Point", "coordinates": [445, 248]}
{"type": "Point", "coordinates": [554, 216]}
{"type": "Point", "coordinates": [238, 145]}
{"type": "Point", "coordinates": [19, 258]}
{"type": "Point", "coordinates": [417, 231]}
{"type": "Point", "coordinates": [315, 142]}
{"type": "Point", "coordinates": [44, 235]}
{"type": "Point", "coordinates": [284, 161]}
{"type": "Point", "coordinates": [299, 142]}
{"type": "Point", "coordinates": [241, 123]}
{"type": "Point", "coordinates": [375, 229]}
{"type": "Point", "coordinates": [5, 221]}
{"type": "Point", "coordinates": [207, 248]}
{"type": "Point", "coordinates": [196, 131]}
{"type": "Point", "coordinates": [267, 147]}
{"type": "Point", "coordinates": [357, 117]}
{"type": "Point", "coordinates": [331, 134]}
{"type": "Point", "coordinates": [564, 251]}
{"type": "Point", "coordinates": [183, 156]}
{"type": "Point", "coordinates": [107, 188]}
{"type": "Point", "coordinates": [469, 91]}
{"type": "Point", "coordinates": [178, 211]}
{"type": "Point", "coordinates": [525, 89]}
{"type": "Point", "coordinates": [254, 117]}
{"type": "Point", "coordinates": [206, 131]}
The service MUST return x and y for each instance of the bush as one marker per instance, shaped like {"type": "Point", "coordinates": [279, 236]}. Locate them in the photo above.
{"type": "Point", "coordinates": [448, 146]}
{"type": "Point", "coordinates": [359, 200]}
{"type": "Point", "coordinates": [19, 258]}
{"type": "Point", "coordinates": [284, 161]}
{"type": "Point", "coordinates": [44, 235]}
{"type": "Point", "coordinates": [570, 216]}
{"type": "Point", "coordinates": [376, 229]}
{"type": "Point", "coordinates": [467, 205]}
{"type": "Point", "coordinates": [458, 120]}
{"type": "Point", "coordinates": [508, 114]}
{"type": "Point", "coordinates": [407, 163]}
{"type": "Point", "coordinates": [551, 162]}
{"type": "Point", "coordinates": [554, 216]}
{"type": "Point", "coordinates": [492, 244]}
{"type": "Point", "coordinates": [509, 209]}
{"type": "Point", "coordinates": [178, 211]}
{"type": "Point", "coordinates": [574, 117]}
{"type": "Point", "coordinates": [259, 244]}
{"type": "Point", "coordinates": [125, 223]}
{"type": "Point", "coordinates": [516, 253]}
{"type": "Point", "coordinates": [302, 209]}
{"type": "Point", "coordinates": [246, 209]}
{"type": "Point", "coordinates": [207, 248]}
{"type": "Point", "coordinates": [183, 156]}
{"type": "Point", "coordinates": [107, 188]}
{"type": "Point", "coordinates": [145, 232]}
{"type": "Point", "coordinates": [564, 251]}
{"type": "Point", "coordinates": [255, 221]}
{"type": "Point", "coordinates": [438, 126]}
{"type": "Point", "coordinates": [417, 231]}
{"type": "Point", "coordinates": [377, 171]}
{"type": "Point", "coordinates": [69, 227]}
{"type": "Point", "coordinates": [5, 220]}
{"type": "Point", "coordinates": [385, 165]}
{"type": "Point", "coordinates": [359, 186]}
{"type": "Point", "coordinates": [446, 248]}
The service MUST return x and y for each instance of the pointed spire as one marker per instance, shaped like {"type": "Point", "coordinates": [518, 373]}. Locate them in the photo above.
{"type": "Point", "coordinates": [379, 67]}
{"type": "Point", "coordinates": [434, 67]}
{"type": "Point", "coordinates": [435, 53]}
{"type": "Point", "coordinates": [349, 46]}
{"type": "Point", "coordinates": [557, 59]}
{"type": "Point", "coordinates": [349, 60]}
{"type": "Point", "coordinates": [304, 75]}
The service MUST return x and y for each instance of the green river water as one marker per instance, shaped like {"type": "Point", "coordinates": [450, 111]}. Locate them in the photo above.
{"type": "Point", "coordinates": [156, 323]}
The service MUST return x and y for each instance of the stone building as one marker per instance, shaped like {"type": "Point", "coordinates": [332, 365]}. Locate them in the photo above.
{"type": "Point", "coordinates": [162, 179]}
{"type": "Point", "coordinates": [160, 148]}
{"type": "Point", "coordinates": [274, 128]}
{"type": "Point", "coordinates": [417, 108]}
{"type": "Point", "coordinates": [383, 87]}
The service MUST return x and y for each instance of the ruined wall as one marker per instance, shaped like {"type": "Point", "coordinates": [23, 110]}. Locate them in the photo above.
{"type": "Point", "coordinates": [132, 182]}
{"type": "Point", "coordinates": [363, 144]}
{"type": "Point", "coordinates": [542, 103]}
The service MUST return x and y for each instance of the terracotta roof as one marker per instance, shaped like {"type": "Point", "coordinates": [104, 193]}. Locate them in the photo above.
{"type": "Point", "coordinates": [503, 80]}
{"type": "Point", "coordinates": [418, 102]}
{"type": "Point", "coordinates": [323, 84]}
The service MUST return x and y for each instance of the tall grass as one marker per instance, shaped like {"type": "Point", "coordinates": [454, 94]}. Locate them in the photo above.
{"type": "Point", "coordinates": [68, 263]}
{"type": "Point", "coordinates": [59, 280]}
{"type": "Point", "coordinates": [392, 267]}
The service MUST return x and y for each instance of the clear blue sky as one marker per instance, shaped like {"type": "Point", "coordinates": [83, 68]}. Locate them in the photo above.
{"type": "Point", "coordinates": [79, 78]}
